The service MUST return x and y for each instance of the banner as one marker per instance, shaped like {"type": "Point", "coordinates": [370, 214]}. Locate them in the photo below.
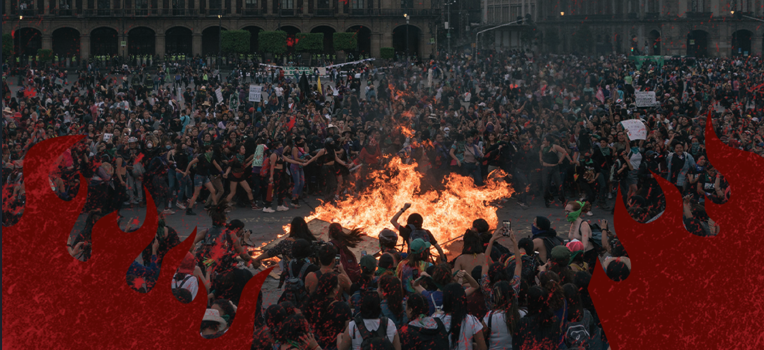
{"type": "Point", "coordinates": [635, 129]}
{"type": "Point", "coordinates": [645, 98]}
{"type": "Point", "coordinates": [255, 93]}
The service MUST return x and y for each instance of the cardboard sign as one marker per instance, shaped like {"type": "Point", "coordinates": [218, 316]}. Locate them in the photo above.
{"type": "Point", "coordinates": [635, 129]}
{"type": "Point", "coordinates": [645, 98]}
{"type": "Point", "coordinates": [219, 95]}
{"type": "Point", "coordinates": [59, 81]}
{"type": "Point", "coordinates": [255, 93]}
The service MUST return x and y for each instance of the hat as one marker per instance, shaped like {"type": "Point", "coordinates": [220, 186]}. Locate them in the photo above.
{"type": "Point", "coordinates": [331, 126]}
{"type": "Point", "coordinates": [214, 316]}
{"type": "Point", "coordinates": [7, 110]}
{"type": "Point", "coordinates": [368, 263]}
{"type": "Point", "coordinates": [561, 253]}
{"type": "Point", "coordinates": [206, 103]}
{"type": "Point", "coordinates": [542, 223]}
{"type": "Point", "coordinates": [188, 264]}
{"type": "Point", "coordinates": [386, 261]}
{"type": "Point", "coordinates": [575, 245]}
{"type": "Point", "coordinates": [132, 139]}
{"type": "Point", "coordinates": [301, 249]}
{"type": "Point", "coordinates": [419, 245]}
{"type": "Point", "coordinates": [388, 235]}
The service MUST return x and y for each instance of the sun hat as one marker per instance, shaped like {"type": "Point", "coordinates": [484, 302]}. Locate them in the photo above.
{"type": "Point", "coordinates": [214, 316]}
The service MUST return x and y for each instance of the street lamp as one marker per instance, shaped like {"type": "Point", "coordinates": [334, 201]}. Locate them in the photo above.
{"type": "Point", "coordinates": [21, 51]}
{"type": "Point", "coordinates": [562, 13]}
{"type": "Point", "coordinates": [220, 34]}
{"type": "Point", "coordinates": [407, 35]}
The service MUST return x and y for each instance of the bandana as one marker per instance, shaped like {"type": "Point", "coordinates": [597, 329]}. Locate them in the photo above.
{"type": "Point", "coordinates": [605, 151]}
{"type": "Point", "coordinates": [573, 216]}
{"type": "Point", "coordinates": [536, 231]}
{"type": "Point", "coordinates": [208, 156]}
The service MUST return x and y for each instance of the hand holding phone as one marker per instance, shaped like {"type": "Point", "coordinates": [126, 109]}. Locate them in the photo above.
{"type": "Point", "coordinates": [507, 227]}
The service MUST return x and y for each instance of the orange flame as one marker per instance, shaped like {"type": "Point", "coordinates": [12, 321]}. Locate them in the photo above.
{"type": "Point", "coordinates": [446, 213]}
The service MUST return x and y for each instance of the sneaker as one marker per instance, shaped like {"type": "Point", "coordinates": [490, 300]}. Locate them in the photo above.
{"type": "Point", "coordinates": [609, 195]}
{"type": "Point", "coordinates": [168, 212]}
{"type": "Point", "coordinates": [190, 212]}
{"type": "Point", "coordinates": [126, 203]}
{"type": "Point", "coordinates": [134, 201]}
{"type": "Point", "coordinates": [295, 205]}
{"type": "Point", "coordinates": [604, 206]}
{"type": "Point", "coordinates": [282, 208]}
{"type": "Point", "coordinates": [268, 210]}
{"type": "Point", "coordinates": [228, 210]}
{"type": "Point", "coordinates": [522, 205]}
{"type": "Point", "coordinates": [255, 207]}
{"type": "Point", "coordinates": [589, 213]}
{"type": "Point", "coordinates": [180, 205]}
{"type": "Point", "coordinates": [169, 205]}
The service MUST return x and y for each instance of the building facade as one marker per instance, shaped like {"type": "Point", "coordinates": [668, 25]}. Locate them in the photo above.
{"type": "Point", "coordinates": [699, 28]}
{"type": "Point", "coordinates": [497, 12]}
{"type": "Point", "coordinates": [83, 28]}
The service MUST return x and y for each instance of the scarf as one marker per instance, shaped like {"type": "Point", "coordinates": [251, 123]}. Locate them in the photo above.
{"type": "Point", "coordinates": [208, 156]}
{"type": "Point", "coordinates": [573, 216]}
{"type": "Point", "coordinates": [605, 151]}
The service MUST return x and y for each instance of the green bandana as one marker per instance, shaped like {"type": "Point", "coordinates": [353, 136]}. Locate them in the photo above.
{"type": "Point", "coordinates": [573, 216]}
{"type": "Point", "coordinates": [208, 156]}
{"type": "Point", "coordinates": [573, 255]}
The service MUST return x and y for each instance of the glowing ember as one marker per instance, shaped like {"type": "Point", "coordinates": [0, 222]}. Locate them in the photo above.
{"type": "Point", "coordinates": [446, 214]}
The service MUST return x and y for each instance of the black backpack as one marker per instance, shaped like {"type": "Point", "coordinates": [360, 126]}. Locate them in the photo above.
{"type": "Point", "coordinates": [183, 295]}
{"type": "Point", "coordinates": [577, 334]}
{"type": "Point", "coordinates": [418, 233]}
{"type": "Point", "coordinates": [212, 235]}
{"type": "Point", "coordinates": [373, 340]}
{"type": "Point", "coordinates": [426, 338]}
{"type": "Point", "coordinates": [294, 287]}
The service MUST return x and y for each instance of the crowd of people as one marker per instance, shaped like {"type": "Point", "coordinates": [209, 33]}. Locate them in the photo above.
{"type": "Point", "coordinates": [188, 133]}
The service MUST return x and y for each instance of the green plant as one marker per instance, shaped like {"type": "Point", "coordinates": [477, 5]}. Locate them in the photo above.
{"type": "Point", "coordinates": [45, 55]}
{"type": "Point", "coordinates": [235, 41]}
{"type": "Point", "coordinates": [387, 52]}
{"type": "Point", "coordinates": [274, 42]}
{"type": "Point", "coordinates": [309, 42]}
{"type": "Point", "coordinates": [7, 45]}
{"type": "Point", "coordinates": [345, 41]}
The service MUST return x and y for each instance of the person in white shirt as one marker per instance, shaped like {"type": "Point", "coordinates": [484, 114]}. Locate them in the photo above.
{"type": "Point", "coordinates": [187, 277]}
{"type": "Point", "coordinates": [499, 326]}
{"type": "Point", "coordinates": [370, 316]}
{"type": "Point", "coordinates": [463, 329]}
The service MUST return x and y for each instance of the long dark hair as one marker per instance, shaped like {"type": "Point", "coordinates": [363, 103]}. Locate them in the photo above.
{"type": "Point", "coordinates": [418, 305]}
{"type": "Point", "coordinates": [455, 304]}
{"type": "Point", "coordinates": [321, 297]}
{"type": "Point", "coordinates": [575, 308]}
{"type": "Point", "coordinates": [350, 240]}
{"type": "Point", "coordinates": [472, 243]}
{"type": "Point", "coordinates": [504, 300]}
{"type": "Point", "coordinates": [551, 282]}
{"type": "Point", "coordinates": [299, 229]}
{"type": "Point", "coordinates": [538, 307]}
{"type": "Point", "coordinates": [392, 291]}
{"type": "Point", "coordinates": [217, 212]}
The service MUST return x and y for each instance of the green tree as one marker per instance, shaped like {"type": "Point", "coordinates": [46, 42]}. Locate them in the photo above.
{"type": "Point", "coordinates": [235, 41]}
{"type": "Point", "coordinates": [552, 40]}
{"type": "Point", "coordinates": [345, 41]}
{"type": "Point", "coordinates": [274, 42]}
{"type": "Point", "coordinates": [7, 45]}
{"type": "Point", "coordinates": [45, 55]}
{"type": "Point", "coordinates": [583, 39]}
{"type": "Point", "coordinates": [387, 52]}
{"type": "Point", "coordinates": [309, 42]}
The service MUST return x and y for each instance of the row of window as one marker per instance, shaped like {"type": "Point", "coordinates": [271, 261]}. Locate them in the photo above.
{"type": "Point", "coordinates": [29, 5]}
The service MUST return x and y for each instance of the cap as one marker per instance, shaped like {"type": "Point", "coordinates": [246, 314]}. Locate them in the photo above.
{"type": "Point", "coordinates": [132, 139]}
{"type": "Point", "coordinates": [419, 245]}
{"type": "Point", "coordinates": [575, 245]}
{"type": "Point", "coordinates": [388, 235]}
{"type": "Point", "coordinates": [368, 263]}
{"type": "Point", "coordinates": [561, 253]}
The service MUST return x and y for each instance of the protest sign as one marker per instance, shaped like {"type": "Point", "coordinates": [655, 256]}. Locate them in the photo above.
{"type": "Point", "coordinates": [635, 129]}
{"type": "Point", "coordinates": [645, 98]}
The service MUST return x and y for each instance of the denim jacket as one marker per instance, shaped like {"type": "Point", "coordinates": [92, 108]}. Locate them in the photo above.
{"type": "Point", "coordinates": [689, 164]}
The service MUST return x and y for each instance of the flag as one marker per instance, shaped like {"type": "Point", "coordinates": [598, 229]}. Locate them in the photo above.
{"type": "Point", "coordinates": [600, 96]}
{"type": "Point", "coordinates": [320, 90]}
{"type": "Point", "coordinates": [290, 125]}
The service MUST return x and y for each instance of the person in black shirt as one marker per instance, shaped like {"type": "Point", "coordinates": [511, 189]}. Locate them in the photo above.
{"type": "Point", "coordinates": [203, 164]}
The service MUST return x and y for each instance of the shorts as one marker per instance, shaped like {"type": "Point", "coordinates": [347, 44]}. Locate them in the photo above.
{"type": "Point", "coordinates": [200, 180]}
{"type": "Point", "coordinates": [632, 177]}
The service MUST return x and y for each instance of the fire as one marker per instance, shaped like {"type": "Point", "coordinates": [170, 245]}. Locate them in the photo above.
{"type": "Point", "coordinates": [446, 213]}
{"type": "Point", "coordinates": [407, 131]}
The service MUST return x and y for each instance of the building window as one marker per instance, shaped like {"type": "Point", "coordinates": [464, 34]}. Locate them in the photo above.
{"type": "Point", "coordinates": [141, 4]}
{"type": "Point", "coordinates": [358, 4]}
{"type": "Point", "coordinates": [652, 6]}
{"type": "Point", "coordinates": [407, 4]}
{"type": "Point", "coordinates": [250, 3]}
{"type": "Point", "coordinates": [287, 4]}
{"type": "Point", "coordinates": [697, 6]}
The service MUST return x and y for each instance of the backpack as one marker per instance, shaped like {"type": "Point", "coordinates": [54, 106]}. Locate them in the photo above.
{"type": "Point", "coordinates": [372, 339]}
{"type": "Point", "coordinates": [180, 293]}
{"type": "Point", "coordinates": [577, 334]}
{"type": "Point", "coordinates": [349, 263]}
{"type": "Point", "coordinates": [212, 235]}
{"type": "Point", "coordinates": [418, 233]}
{"type": "Point", "coordinates": [355, 299]}
{"type": "Point", "coordinates": [294, 287]}
{"type": "Point", "coordinates": [425, 338]}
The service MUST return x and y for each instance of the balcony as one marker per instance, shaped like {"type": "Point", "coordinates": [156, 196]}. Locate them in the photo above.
{"type": "Point", "coordinates": [28, 12]}
{"type": "Point", "coordinates": [63, 12]}
{"type": "Point", "coordinates": [394, 12]}
{"type": "Point", "coordinates": [252, 12]}
{"type": "Point", "coordinates": [324, 12]}
{"type": "Point", "coordinates": [699, 15]}
{"type": "Point", "coordinates": [288, 12]}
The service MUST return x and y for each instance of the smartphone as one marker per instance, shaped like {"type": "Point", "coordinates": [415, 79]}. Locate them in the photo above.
{"type": "Point", "coordinates": [507, 227]}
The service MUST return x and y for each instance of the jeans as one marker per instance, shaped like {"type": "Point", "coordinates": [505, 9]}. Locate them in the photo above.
{"type": "Point", "coordinates": [298, 177]}
{"type": "Point", "coordinates": [473, 170]}
{"type": "Point", "coordinates": [172, 179]}
{"type": "Point", "coordinates": [185, 190]}
{"type": "Point", "coordinates": [549, 175]}
{"type": "Point", "coordinates": [134, 188]}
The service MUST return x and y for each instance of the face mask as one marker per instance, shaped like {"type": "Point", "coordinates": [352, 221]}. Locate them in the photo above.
{"type": "Point", "coordinates": [168, 147]}
{"type": "Point", "coordinates": [635, 150]}
{"type": "Point", "coordinates": [149, 145]}
{"type": "Point", "coordinates": [573, 216]}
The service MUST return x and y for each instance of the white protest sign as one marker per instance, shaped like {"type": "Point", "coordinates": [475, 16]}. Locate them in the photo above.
{"type": "Point", "coordinates": [59, 81]}
{"type": "Point", "coordinates": [635, 128]}
{"type": "Point", "coordinates": [645, 98]}
{"type": "Point", "coordinates": [255, 93]}
{"type": "Point", "coordinates": [219, 95]}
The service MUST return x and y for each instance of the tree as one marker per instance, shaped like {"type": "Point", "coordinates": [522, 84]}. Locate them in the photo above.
{"type": "Point", "coordinates": [45, 55]}
{"type": "Point", "coordinates": [309, 42]}
{"type": "Point", "coordinates": [552, 40]}
{"type": "Point", "coordinates": [345, 41]}
{"type": "Point", "coordinates": [274, 42]}
{"type": "Point", "coordinates": [7, 45]}
{"type": "Point", "coordinates": [387, 52]}
{"type": "Point", "coordinates": [583, 39]}
{"type": "Point", "coordinates": [235, 41]}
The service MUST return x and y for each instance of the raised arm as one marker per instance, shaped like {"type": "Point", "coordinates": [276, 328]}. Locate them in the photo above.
{"type": "Point", "coordinates": [397, 215]}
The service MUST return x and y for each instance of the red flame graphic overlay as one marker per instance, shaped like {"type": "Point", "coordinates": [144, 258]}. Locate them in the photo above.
{"type": "Point", "coordinates": [50, 300]}
{"type": "Point", "coordinates": [685, 291]}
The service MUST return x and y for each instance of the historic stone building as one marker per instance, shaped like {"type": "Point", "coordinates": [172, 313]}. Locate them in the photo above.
{"type": "Point", "coordinates": [701, 28]}
{"type": "Point", "coordinates": [84, 28]}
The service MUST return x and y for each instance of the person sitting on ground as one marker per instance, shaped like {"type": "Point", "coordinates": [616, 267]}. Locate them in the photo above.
{"type": "Point", "coordinates": [213, 325]}
{"type": "Point", "coordinates": [544, 237]}
{"type": "Point", "coordinates": [298, 229]}
{"type": "Point", "coordinates": [185, 283]}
